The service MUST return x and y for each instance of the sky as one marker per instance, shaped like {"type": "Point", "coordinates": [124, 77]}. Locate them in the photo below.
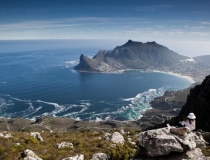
{"type": "Point", "coordinates": [181, 25]}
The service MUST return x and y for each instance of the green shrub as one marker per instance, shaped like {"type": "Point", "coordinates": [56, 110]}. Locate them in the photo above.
{"type": "Point", "coordinates": [122, 152]}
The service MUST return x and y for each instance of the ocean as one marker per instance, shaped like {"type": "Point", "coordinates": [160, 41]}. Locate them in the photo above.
{"type": "Point", "coordinates": [38, 79]}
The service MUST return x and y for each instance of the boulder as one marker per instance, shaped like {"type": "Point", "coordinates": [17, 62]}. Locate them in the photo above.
{"type": "Point", "coordinates": [115, 137]}
{"type": "Point", "coordinates": [28, 154]}
{"type": "Point", "coordinates": [195, 154]}
{"type": "Point", "coordinates": [37, 136]}
{"type": "Point", "coordinates": [5, 134]}
{"type": "Point", "coordinates": [64, 144]}
{"type": "Point", "coordinates": [99, 156]}
{"type": "Point", "coordinates": [161, 142]}
{"type": "Point", "coordinates": [77, 157]}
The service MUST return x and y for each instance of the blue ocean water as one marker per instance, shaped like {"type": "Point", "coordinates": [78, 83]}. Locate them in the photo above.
{"type": "Point", "coordinates": [37, 78]}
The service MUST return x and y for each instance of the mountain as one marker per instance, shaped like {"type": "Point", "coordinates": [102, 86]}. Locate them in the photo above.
{"type": "Point", "coordinates": [131, 55]}
{"type": "Point", "coordinates": [204, 59]}
{"type": "Point", "coordinates": [146, 56]}
{"type": "Point", "coordinates": [93, 65]}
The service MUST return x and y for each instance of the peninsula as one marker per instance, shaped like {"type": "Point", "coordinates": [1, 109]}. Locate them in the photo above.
{"type": "Point", "coordinates": [149, 56]}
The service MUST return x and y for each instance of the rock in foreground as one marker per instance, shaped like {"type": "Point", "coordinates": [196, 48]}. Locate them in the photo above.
{"type": "Point", "coordinates": [161, 142]}
{"type": "Point", "coordinates": [30, 155]}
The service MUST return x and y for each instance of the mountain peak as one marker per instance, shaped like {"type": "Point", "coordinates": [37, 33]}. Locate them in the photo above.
{"type": "Point", "coordinates": [130, 41]}
{"type": "Point", "coordinates": [153, 42]}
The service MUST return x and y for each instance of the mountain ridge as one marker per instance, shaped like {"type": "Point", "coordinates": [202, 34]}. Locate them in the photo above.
{"type": "Point", "coordinates": [144, 56]}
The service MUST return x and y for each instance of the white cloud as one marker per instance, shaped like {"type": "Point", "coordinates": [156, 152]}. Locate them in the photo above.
{"type": "Point", "coordinates": [153, 8]}
{"type": "Point", "coordinates": [158, 26]}
{"type": "Point", "coordinates": [71, 22]}
{"type": "Point", "coordinates": [208, 23]}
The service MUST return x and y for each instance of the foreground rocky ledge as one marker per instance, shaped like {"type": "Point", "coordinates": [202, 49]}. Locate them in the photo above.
{"type": "Point", "coordinates": [113, 144]}
{"type": "Point", "coordinates": [160, 142]}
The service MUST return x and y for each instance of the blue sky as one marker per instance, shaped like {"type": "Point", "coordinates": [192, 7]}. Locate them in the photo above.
{"type": "Point", "coordinates": [181, 25]}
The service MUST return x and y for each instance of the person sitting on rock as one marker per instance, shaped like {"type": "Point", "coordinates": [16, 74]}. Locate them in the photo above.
{"type": "Point", "coordinates": [189, 121]}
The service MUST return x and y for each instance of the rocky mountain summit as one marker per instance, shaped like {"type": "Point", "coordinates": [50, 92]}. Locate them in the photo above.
{"type": "Point", "coordinates": [144, 56]}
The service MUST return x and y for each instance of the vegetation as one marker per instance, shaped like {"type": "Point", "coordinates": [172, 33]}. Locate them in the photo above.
{"type": "Point", "coordinates": [84, 142]}
{"type": "Point", "coordinates": [206, 150]}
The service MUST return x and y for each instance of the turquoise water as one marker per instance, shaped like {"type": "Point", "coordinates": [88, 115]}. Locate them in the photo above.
{"type": "Point", "coordinates": [42, 81]}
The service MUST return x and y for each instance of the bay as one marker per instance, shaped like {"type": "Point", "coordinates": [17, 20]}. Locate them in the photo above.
{"type": "Point", "coordinates": [38, 78]}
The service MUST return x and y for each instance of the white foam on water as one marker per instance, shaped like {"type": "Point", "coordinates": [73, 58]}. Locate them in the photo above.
{"type": "Point", "coordinates": [98, 119]}
{"type": "Point", "coordinates": [71, 115]}
{"type": "Point", "coordinates": [74, 62]}
{"type": "Point", "coordinates": [37, 109]}
{"type": "Point", "coordinates": [74, 71]}
{"type": "Point", "coordinates": [83, 109]}
{"type": "Point", "coordinates": [56, 105]}
{"type": "Point", "coordinates": [4, 104]}
{"type": "Point", "coordinates": [139, 103]}
{"type": "Point", "coordinates": [128, 99]}
{"type": "Point", "coordinates": [86, 104]}
{"type": "Point", "coordinates": [77, 119]}
{"type": "Point", "coordinates": [58, 108]}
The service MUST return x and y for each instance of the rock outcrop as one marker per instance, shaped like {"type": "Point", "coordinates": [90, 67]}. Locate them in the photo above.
{"type": "Point", "coordinates": [64, 145]}
{"type": "Point", "coordinates": [115, 137]}
{"type": "Point", "coordinates": [28, 154]}
{"type": "Point", "coordinates": [77, 157]}
{"type": "Point", "coordinates": [100, 156]}
{"type": "Point", "coordinates": [93, 65]}
{"type": "Point", "coordinates": [159, 142]}
{"type": "Point", "coordinates": [5, 134]}
{"type": "Point", "coordinates": [37, 135]}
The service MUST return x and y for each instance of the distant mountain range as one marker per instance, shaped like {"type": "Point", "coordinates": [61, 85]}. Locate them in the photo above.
{"type": "Point", "coordinates": [145, 56]}
{"type": "Point", "coordinates": [203, 59]}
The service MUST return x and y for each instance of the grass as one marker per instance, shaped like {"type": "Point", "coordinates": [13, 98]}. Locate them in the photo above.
{"type": "Point", "coordinates": [84, 142]}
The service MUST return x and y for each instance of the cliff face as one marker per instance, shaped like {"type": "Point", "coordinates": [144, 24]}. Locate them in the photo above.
{"type": "Point", "coordinates": [198, 102]}
{"type": "Point", "coordinates": [93, 65]}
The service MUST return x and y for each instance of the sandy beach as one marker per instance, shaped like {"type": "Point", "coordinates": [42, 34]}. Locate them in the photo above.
{"type": "Point", "coordinates": [190, 79]}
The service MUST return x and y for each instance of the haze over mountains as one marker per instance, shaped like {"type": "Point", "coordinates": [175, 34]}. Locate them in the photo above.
{"type": "Point", "coordinates": [145, 56]}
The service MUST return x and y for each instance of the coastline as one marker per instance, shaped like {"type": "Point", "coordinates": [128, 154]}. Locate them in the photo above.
{"type": "Point", "coordinates": [190, 79]}
{"type": "Point", "coordinates": [142, 112]}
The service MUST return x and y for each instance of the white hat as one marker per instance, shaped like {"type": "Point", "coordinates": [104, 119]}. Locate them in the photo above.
{"type": "Point", "coordinates": [191, 116]}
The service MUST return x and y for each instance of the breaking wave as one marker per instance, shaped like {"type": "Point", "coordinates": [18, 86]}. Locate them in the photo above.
{"type": "Point", "coordinates": [139, 103]}
{"type": "Point", "coordinates": [82, 110]}
{"type": "Point", "coordinates": [71, 63]}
